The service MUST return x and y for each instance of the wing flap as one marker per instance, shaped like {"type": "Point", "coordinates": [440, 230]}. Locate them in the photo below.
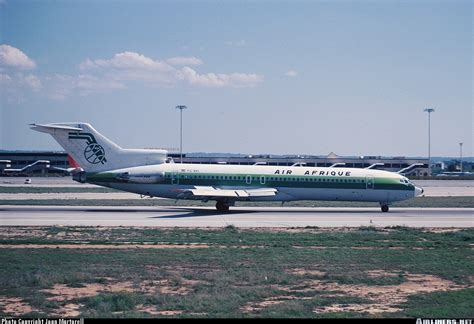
{"type": "Point", "coordinates": [217, 193]}
{"type": "Point", "coordinates": [264, 192]}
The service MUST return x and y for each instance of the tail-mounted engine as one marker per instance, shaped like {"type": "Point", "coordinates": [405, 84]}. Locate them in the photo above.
{"type": "Point", "coordinates": [139, 177]}
{"type": "Point", "coordinates": [79, 176]}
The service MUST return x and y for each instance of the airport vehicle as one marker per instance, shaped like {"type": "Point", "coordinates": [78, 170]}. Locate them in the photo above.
{"type": "Point", "coordinates": [148, 172]}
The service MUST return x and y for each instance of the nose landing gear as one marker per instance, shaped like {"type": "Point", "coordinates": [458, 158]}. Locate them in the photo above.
{"type": "Point", "coordinates": [384, 207]}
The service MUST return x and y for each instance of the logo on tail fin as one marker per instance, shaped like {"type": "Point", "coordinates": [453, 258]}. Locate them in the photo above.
{"type": "Point", "coordinates": [94, 153]}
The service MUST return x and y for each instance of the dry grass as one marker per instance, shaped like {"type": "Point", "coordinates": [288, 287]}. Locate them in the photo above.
{"type": "Point", "coordinates": [380, 299]}
{"type": "Point", "coordinates": [148, 272]}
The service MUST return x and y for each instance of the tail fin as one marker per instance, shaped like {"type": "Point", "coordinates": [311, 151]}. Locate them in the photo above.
{"type": "Point", "coordinates": [93, 151]}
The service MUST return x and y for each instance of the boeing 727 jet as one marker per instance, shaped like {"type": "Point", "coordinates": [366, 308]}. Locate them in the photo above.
{"type": "Point", "coordinates": [148, 172]}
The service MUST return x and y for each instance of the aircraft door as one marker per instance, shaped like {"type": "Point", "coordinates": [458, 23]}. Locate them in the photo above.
{"type": "Point", "coordinates": [174, 178]}
{"type": "Point", "coordinates": [369, 182]}
{"type": "Point", "coordinates": [248, 179]}
{"type": "Point", "coordinates": [262, 180]}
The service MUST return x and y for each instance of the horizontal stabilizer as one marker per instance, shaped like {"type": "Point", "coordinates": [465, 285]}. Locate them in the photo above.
{"type": "Point", "coordinates": [51, 128]}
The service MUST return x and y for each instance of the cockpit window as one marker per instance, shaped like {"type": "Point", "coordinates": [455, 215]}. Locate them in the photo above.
{"type": "Point", "coordinates": [405, 181]}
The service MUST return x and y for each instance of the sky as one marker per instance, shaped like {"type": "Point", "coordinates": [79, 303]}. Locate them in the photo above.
{"type": "Point", "coordinates": [270, 77]}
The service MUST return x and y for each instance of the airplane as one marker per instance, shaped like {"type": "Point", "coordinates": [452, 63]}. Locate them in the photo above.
{"type": "Point", "coordinates": [37, 165]}
{"type": "Point", "coordinates": [148, 172]}
{"type": "Point", "coordinates": [5, 164]}
{"type": "Point", "coordinates": [456, 174]}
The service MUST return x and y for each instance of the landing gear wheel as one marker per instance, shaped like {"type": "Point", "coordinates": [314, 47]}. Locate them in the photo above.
{"type": "Point", "coordinates": [384, 208]}
{"type": "Point", "coordinates": [222, 207]}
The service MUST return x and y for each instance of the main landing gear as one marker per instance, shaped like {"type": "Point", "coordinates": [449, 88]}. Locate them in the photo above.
{"type": "Point", "coordinates": [384, 208]}
{"type": "Point", "coordinates": [222, 207]}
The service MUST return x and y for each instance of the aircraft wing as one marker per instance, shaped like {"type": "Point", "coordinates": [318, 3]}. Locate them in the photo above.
{"type": "Point", "coordinates": [214, 193]}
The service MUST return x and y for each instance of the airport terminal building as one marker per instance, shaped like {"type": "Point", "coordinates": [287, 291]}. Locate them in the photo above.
{"type": "Point", "coordinates": [377, 162]}
{"type": "Point", "coordinates": [20, 159]}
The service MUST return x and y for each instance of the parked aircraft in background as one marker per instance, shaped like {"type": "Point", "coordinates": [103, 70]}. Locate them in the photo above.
{"type": "Point", "coordinates": [147, 172]}
{"type": "Point", "coordinates": [37, 165]}
{"type": "Point", "coordinates": [5, 164]}
{"type": "Point", "coordinates": [456, 174]}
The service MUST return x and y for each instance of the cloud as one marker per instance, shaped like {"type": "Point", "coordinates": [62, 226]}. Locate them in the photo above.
{"type": "Point", "coordinates": [238, 43]}
{"type": "Point", "coordinates": [5, 79]}
{"type": "Point", "coordinates": [125, 67]}
{"type": "Point", "coordinates": [87, 84]}
{"type": "Point", "coordinates": [291, 73]}
{"type": "Point", "coordinates": [20, 80]}
{"type": "Point", "coordinates": [15, 83]}
{"type": "Point", "coordinates": [237, 80]}
{"type": "Point", "coordinates": [32, 81]}
{"type": "Point", "coordinates": [12, 57]}
{"type": "Point", "coordinates": [60, 87]}
{"type": "Point", "coordinates": [127, 61]}
{"type": "Point", "coordinates": [119, 72]}
{"type": "Point", "coordinates": [129, 67]}
{"type": "Point", "coordinates": [179, 60]}
{"type": "Point", "coordinates": [15, 86]}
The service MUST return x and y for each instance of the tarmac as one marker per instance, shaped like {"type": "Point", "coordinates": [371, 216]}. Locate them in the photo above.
{"type": "Point", "coordinates": [244, 217]}
{"type": "Point", "coordinates": [433, 188]}
{"type": "Point", "coordinates": [174, 216]}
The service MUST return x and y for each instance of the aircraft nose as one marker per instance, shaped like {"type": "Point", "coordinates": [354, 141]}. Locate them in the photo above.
{"type": "Point", "coordinates": [419, 191]}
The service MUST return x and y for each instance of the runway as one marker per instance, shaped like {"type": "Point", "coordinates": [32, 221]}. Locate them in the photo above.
{"type": "Point", "coordinates": [245, 217]}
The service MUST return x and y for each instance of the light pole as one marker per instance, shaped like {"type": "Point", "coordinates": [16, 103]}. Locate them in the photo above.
{"type": "Point", "coordinates": [429, 111]}
{"type": "Point", "coordinates": [460, 155]}
{"type": "Point", "coordinates": [181, 131]}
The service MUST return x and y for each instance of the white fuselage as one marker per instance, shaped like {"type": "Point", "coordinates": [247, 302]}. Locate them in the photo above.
{"type": "Point", "coordinates": [168, 180]}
